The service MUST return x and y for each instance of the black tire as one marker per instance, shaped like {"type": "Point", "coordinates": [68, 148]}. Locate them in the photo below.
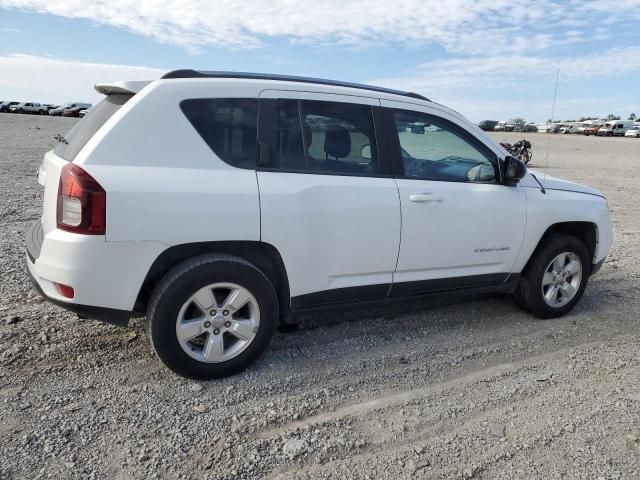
{"type": "Point", "coordinates": [179, 284]}
{"type": "Point", "coordinates": [529, 294]}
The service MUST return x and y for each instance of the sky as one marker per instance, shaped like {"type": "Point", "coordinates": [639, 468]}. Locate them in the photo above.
{"type": "Point", "coordinates": [488, 59]}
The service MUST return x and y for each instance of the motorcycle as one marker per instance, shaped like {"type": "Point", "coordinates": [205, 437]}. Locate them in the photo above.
{"type": "Point", "coordinates": [520, 149]}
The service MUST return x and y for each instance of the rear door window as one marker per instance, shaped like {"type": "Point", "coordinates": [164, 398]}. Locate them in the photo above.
{"type": "Point", "coordinates": [229, 126]}
{"type": "Point", "coordinates": [74, 141]}
{"type": "Point", "coordinates": [325, 138]}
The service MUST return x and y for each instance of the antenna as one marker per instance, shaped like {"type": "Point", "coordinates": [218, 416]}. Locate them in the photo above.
{"type": "Point", "coordinates": [553, 112]}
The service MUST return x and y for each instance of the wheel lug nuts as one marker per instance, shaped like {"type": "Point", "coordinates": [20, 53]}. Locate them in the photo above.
{"type": "Point", "coordinates": [212, 312]}
{"type": "Point", "coordinates": [216, 331]}
{"type": "Point", "coordinates": [225, 312]}
{"type": "Point", "coordinates": [227, 324]}
{"type": "Point", "coordinates": [207, 324]}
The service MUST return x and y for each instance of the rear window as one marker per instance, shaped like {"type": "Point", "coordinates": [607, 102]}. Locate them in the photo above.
{"type": "Point", "coordinates": [81, 133]}
{"type": "Point", "coordinates": [228, 125]}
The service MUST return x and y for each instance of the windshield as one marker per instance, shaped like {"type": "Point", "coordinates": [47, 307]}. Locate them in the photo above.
{"type": "Point", "coordinates": [74, 141]}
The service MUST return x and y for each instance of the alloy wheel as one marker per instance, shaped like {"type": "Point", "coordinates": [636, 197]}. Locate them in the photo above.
{"type": "Point", "coordinates": [561, 279]}
{"type": "Point", "coordinates": [218, 322]}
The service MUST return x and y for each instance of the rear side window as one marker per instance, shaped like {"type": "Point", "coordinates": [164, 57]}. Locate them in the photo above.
{"type": "Point", "coordinates": [81, 133]}
{"type": "Point", "coordinates": [228, 125]}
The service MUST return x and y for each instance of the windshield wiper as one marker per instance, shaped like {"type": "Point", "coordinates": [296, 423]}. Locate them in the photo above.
{"type": "Point", "coordinates": [60, 138]}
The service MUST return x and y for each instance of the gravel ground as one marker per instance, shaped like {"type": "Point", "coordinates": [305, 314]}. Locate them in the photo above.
{"type": "Point", "coordinates": [468, 390]}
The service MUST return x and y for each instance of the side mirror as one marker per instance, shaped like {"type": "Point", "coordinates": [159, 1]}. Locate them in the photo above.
{"type": "Point", "coordinates": [365, 152]}
{"type": "Point", "coordinates": [514, 171]}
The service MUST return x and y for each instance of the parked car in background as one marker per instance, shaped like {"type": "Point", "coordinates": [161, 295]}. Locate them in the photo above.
{"type": "Point", "coordinates": [615, 128]}
{"type": "Point", "coordinates": [72, 112]}
{"type": "Point", "coordinates": [49, 106]}
{"type": "Point", "coordinates": [568, 129]}
{"type": "Point", "coordinates": [5, 106]}
{"type": "Point", "coordinates": [530, 127]}
{"type": "Point", "coordinates": [592, 129]}
{"type": "Point", "coordinates": [549, 127]}
{"type": "Point", "coordinates": [29, 107]}
{"type": "Point", "coordinates": [56, 112]}
{"type": "Point", "coordinates": [633, 132]}
{"type": "Point", "coordinates": [83, 112]}
{"type": "Point", "coordinates": [487, 125]}
{"type": "Point", "coordinates": [504, 126]}
{"type": "Point", "coordinates": [111, 243]}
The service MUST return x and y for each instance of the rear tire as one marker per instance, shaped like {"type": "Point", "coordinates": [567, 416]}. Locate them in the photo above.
{"type": "Point", "coordinates": [218, 350]}
{"type": "Point", "coordinates": [555, 278]}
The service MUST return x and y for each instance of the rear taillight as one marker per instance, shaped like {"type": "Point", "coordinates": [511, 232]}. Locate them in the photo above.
{"type": "Point", "coordinates": [81, 202]}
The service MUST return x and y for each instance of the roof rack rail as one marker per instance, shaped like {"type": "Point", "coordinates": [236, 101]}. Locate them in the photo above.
{"type": "Point", "coordinates": [188, 73]}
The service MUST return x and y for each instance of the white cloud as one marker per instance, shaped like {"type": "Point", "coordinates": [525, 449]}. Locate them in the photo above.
{"type": "Point", "coordinates": [51, 80]}
{"type": "Point", "coordinates": [523, 84]}
{"type": "Point", "coordinates": [470, 26]}
{"type": "Point", "coordinates": [444, 76]}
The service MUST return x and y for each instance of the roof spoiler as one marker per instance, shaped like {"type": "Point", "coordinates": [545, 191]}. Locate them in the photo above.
{"type": "Point", "coordinates": [131, 88]}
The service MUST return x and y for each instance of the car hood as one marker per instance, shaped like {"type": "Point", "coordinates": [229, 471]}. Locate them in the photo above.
{"type": "Point", "coordinates": [555, 183]}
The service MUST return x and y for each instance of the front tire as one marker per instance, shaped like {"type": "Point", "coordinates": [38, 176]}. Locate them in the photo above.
{"type": "Point", "coordinates": [212, 316]}
{"type": "Point", "coordinates": [555, 278]}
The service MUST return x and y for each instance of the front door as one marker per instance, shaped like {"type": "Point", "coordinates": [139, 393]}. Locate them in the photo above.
{"type": "Point", "coordinates": [460, 226]}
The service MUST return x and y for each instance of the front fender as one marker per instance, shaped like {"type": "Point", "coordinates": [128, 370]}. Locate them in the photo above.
{"type": "Point", "coordinates": [544, 211]}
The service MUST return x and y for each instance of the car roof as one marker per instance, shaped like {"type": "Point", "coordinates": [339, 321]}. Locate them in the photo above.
{"type": "Point", "coordinates": [188, 73]}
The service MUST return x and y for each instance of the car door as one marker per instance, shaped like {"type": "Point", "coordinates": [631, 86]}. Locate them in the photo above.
{"type": "Point", "coordinates": [460, 226]}
{"type": "Point", "coordinates": [328, 202]}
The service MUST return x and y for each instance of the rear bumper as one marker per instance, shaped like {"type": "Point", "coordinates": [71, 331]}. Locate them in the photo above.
{"type": "Point", "coordinates": [103, 314]}
{"type": "Point", "coordinates": [106, 276]}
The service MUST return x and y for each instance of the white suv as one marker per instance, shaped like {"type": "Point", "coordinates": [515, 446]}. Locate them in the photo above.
{"type": "Point", "coordinates": [219, 205]}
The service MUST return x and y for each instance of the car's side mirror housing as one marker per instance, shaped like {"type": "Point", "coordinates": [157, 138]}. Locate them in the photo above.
{"type": "Point", "coordinates": [514, 171]}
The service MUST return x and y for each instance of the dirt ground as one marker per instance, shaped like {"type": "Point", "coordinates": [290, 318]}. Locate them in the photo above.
{"type": "Point", "coordinates": [469, 390]}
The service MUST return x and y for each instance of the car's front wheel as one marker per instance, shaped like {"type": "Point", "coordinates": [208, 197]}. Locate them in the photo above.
{"type": "Point", "coordinates": [555, 278]}
{"type": "Point", "coordinates": [212, 316]}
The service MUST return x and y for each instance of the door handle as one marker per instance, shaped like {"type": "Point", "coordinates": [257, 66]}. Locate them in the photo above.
{"type": "Point", "coordinates": [425, 198]}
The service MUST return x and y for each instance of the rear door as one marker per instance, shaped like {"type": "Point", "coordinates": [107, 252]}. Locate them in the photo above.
{"type": "Point", "coordinates": [328, 201]}
{"type": "Point", "coordinates": [460, 226]}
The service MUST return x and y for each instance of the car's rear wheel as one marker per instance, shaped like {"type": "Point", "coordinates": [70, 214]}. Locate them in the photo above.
{"type": "Point", "coordinates": [555, 278]}
{"type": "Point", "coordinates": [212, 316]}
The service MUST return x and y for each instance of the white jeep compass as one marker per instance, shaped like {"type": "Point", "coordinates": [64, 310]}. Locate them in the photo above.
{"type": "Point", "coordinates": [220, 204]}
